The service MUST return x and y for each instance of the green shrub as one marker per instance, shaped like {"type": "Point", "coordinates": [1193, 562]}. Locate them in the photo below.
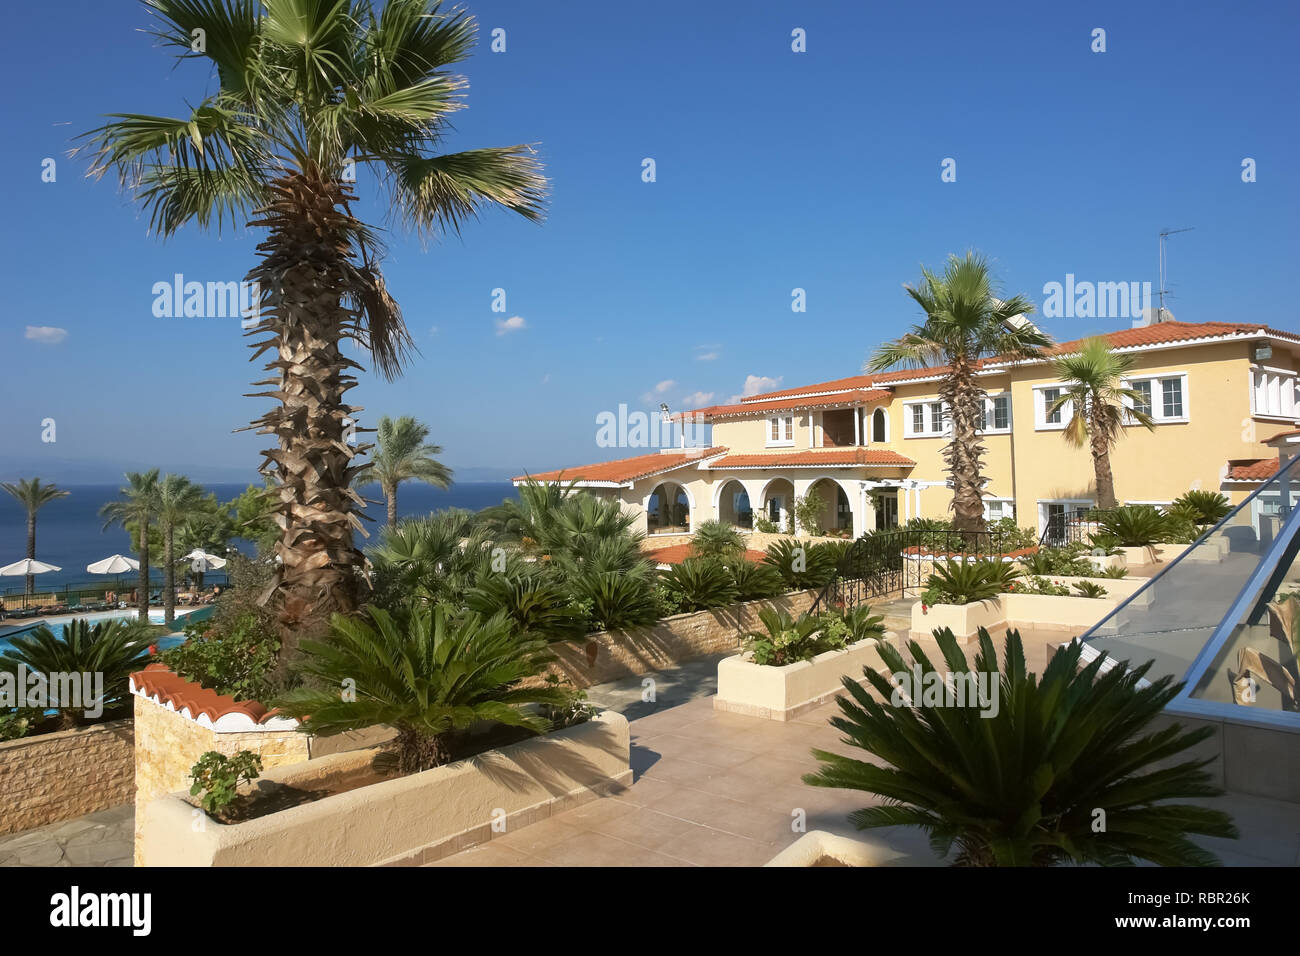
{"type": "Point", "coordinates": [967, 582]}
{"type": "Point", "coordinates": [784, 639]}
{"type": "Point", "coordinates": [17, 722]}
{"type": "Point", "coordinates": [1114, 573]}
{"type": "Point", "coordinates": [713, 539]}
{"type": "Point", "coordinates": [1089, 589]}
{"type": "Point", "coordinates": [536, 607]}
{"type": "Point", "coordinates": [1132, 526]}
{"type": "Point", "coordinates": [1040, 585]}
{"type": "Point", "coordinates": [1064, 561]}
{"type": "Point", "coordinates": [217, 777]}
{"type": "Point", "coordinates": [1201, 506]}
{"type": "Point", "coordinates": [430, 675]}
{"type": "Point", "coordinates": [615, 600]}
{"type": "Point", "coordinates": [234, 657]}
{"type": "Point", "coordinates": [765, 525]}
{"type": "Point", "coordinates": [855, 624]}
{"type": "Point", "coordinates": [807, 512]}
{"type": "Point", "coordinates": [699, 584]}
{"type": "Point", "coordinates": [111, 649]}
{"type": "Point", "coordinates": [1017, 779]}
{"type": "Point", "coordinates": [801, 565]}
{"type": "Point", "coordinates": [754, 581]}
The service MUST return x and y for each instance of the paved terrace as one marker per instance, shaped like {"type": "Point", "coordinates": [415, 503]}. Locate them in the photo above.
{"type": "Point", "coordinates": [718, 789]}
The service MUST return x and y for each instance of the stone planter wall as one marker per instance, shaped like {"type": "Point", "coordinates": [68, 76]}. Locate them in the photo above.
{"type": "Point", "coordinates": [610, 655]}
{"type": "Point", "coordinates": [401, 821]}
{"type": "Point", "coordinates": [783, 693]}
{"type": "Point", "coordinates": [55, 777]}
{"type": "Point", "coordinates": [1030, 611]}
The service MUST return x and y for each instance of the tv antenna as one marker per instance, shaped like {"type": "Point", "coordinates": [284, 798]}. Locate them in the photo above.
{"type": "Point", "coordinates": [1164, 238]}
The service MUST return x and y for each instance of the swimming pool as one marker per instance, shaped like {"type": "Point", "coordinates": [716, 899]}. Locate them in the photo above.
{"type": "Point", "coordinates": [183, 615]}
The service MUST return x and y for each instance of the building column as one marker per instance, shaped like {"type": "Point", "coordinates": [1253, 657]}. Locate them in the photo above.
{"type": "Point", "coordinates": [857, 426]}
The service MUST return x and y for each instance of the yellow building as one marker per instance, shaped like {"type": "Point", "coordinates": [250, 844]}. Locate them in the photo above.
{"type": "Point", "coordinates": [870, 445]}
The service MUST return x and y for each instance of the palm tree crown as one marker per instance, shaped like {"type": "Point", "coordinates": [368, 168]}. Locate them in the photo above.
{"type": "Point", "coordinates": [1101, 404]}
{"type": "Point", "coordinates": [965, 323]}
{"type": "Point", "coordinates": [308, 92]}
{"type": "Point", "coordinates": [403, 455]}
{"type": "Point", "coordinates": [33, 496]}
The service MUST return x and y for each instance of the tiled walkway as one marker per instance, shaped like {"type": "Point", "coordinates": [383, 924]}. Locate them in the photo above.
{"type": "Point", "coordinates": [99, 839]}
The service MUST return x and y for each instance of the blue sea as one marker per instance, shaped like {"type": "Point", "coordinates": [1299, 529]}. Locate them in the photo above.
{"type": "Point", "coordinates": [70, 533]}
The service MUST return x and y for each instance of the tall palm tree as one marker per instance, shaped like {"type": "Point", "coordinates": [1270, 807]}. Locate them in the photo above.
{"type": "Point", "coordinates": [1101, 404]}
{"type": "Point", "coordinates": [402, 455]}
{"type": "Point", "coordinates": [178, 500]}
{"type": "Point", "coordinates": [964, 324]}
{"type": "Point", "coordinates": [308, 93]}
{"type": "Point", "coordinates": [33, 496]}
{"type": "Point", "coordinates": [138, 505]}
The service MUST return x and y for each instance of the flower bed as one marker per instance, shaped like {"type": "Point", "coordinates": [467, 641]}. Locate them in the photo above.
{"type": "Point", "coordinates": [1034, 611]}
{"type": "Point", "coordinates": [412, 819]}
{"type": "Point", "coordinates": [783, 693]}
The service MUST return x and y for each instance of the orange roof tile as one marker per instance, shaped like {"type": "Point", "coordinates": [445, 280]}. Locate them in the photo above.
{"type": "Point", "coordinates": [624, 470]}
{"type": "Point", "coordinates": [677, 553]}
{"type": "Point", "coordinates": [1160, 333]}
{"type": "Point", "coordinates": [160, 682]}
{"type": "Point", "coordinates": [836, 457]}
{"type": "Point", "coordinates": [855, 397]}
{"type": "Point", "coordinates": [1251, 469]}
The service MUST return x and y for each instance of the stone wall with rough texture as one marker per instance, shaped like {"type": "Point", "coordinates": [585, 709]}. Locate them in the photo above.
{"type": "Point", "coordinates": [610, 655]}
{"type": "Point", "coordinates": [168, 744]}
{"type": "Point", "coordinates": [54, 777]}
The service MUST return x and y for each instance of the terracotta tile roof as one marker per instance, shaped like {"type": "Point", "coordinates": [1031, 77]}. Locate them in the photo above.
{"type": "Point", "coordinates": [861, 396]}
{"type": "Point", "coordinates": [1251, 469]}
{"type": "Point", "coordinates": [162, 685]}
{"type": "Point", "coordinates": [677, 553]}
{"type": "Point", "coordinates": [1160, 333]}
{"type": "Point", "coordinates": [834, 457]}
{"type": "Point", "coordinates": [624, 470]}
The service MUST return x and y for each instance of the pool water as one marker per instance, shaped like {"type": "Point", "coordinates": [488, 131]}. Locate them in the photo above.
{"type": "Point", "coordinates": [183, 615]}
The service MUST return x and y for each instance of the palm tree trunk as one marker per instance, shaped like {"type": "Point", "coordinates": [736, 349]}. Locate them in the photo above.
{"type": "Point", "coordinates": [964, 452]}
{"type": "Point", "coordinates": [390, 493]}
{"type": "Point", "coordinates": [142, 601]}
{"type": "Point", "coordinates": [31, 548]}
{"type": "Point", "coordinates": [1101, 468]}
{"type": "Point", "coordinates": [305, 273]}
{"type": "Point", "coordinates": [169, 576]}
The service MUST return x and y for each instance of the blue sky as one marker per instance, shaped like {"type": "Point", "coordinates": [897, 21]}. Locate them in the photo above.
{"type": "Point", "coordinates": [775, 170]}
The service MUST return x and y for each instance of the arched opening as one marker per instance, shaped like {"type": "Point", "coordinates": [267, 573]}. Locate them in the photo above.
{"type": "Point", "coordinates": [778, 505]}
{"type": "Point", "coordinates": [879, 426]}
{"type": "Point", "coordinates": [669, 510]}
{"type": "Point", "coordinates": [835, 516]}
{"type": "Point", "coordinates": [734, 507]}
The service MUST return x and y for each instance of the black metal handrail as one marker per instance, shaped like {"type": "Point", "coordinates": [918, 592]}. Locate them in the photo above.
{"type": "Point", "coordinates": [898, 560]}
{"type": "Point", "coordinates": [93, 592]}
{"type": "Point", "coordinates": [1071, 527]}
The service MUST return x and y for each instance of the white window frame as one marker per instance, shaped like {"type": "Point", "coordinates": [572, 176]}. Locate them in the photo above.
{"type": "Point", "coordinates": [927, 404]}
{"type": "Point", "coordinates": [1286, 382]}
{"type": "Point", "coordinates": [1040, 409]}
{"type": "Point", "coordinates": [1006, 503]}
{"type": "Point", "coordinates": [785, 429]}
{"type": "Point", "coordinates": [1158, 415]}
{"type": "Point", "coordinates": [988, 413]}
{"type": "Point", "coordinates": [870, 437]}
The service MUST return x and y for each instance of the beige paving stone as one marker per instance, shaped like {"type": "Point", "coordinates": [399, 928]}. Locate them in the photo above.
{"type": "Point", "coordinates": [598, 849]}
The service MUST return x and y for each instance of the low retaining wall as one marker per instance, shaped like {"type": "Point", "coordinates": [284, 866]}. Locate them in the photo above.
{"type": "Point", "coordinates": [53, 777]}
{"type": "Point", "coordinates": [1036, 611]}
{"type": "Point", "coordinates": [408, 820]}
{"type": "Point", "coordinates": [783, 693]}
{"type": "Point", "coordinates": [611, 655]}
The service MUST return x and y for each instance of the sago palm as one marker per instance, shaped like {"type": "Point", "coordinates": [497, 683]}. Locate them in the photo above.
{"type": "Point", "coordinates": [306, 94]}
{"type": "Point", "coordinates": [109, 651]}
{"type": "Point", "coordinates": [965, 324]}
{"type": "Point", "coordinates": [179, 499]}
{"type": "Point", "coordinates": [137, 505]}
{"type": "Point", "coordinates": [429, 675]}
{"type": "Point", "coordinates": [1028, 773]}
{"type": "Point", "coordinates": [1101, 404]}
{"type": "Point", "coordinates": [402, 454]}
{"type": "Point", "coordinates": [33, 496]}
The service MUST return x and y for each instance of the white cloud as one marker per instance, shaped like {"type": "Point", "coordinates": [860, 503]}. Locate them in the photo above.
{"type": "Point", "coordinates": [512, 324]}
{"type": "Point", "coordinates": [706, 357]}
{"type": "Point", "coordinates": [756, 385]}
{"type": "Point", "coordinates": [46, 334]}
{"type": "Point", "coordinates": [664, 386]}
{"type": "Point", "coordinates": [697, 399]}
{"type": "Point", "coordinates": [707, 353]}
